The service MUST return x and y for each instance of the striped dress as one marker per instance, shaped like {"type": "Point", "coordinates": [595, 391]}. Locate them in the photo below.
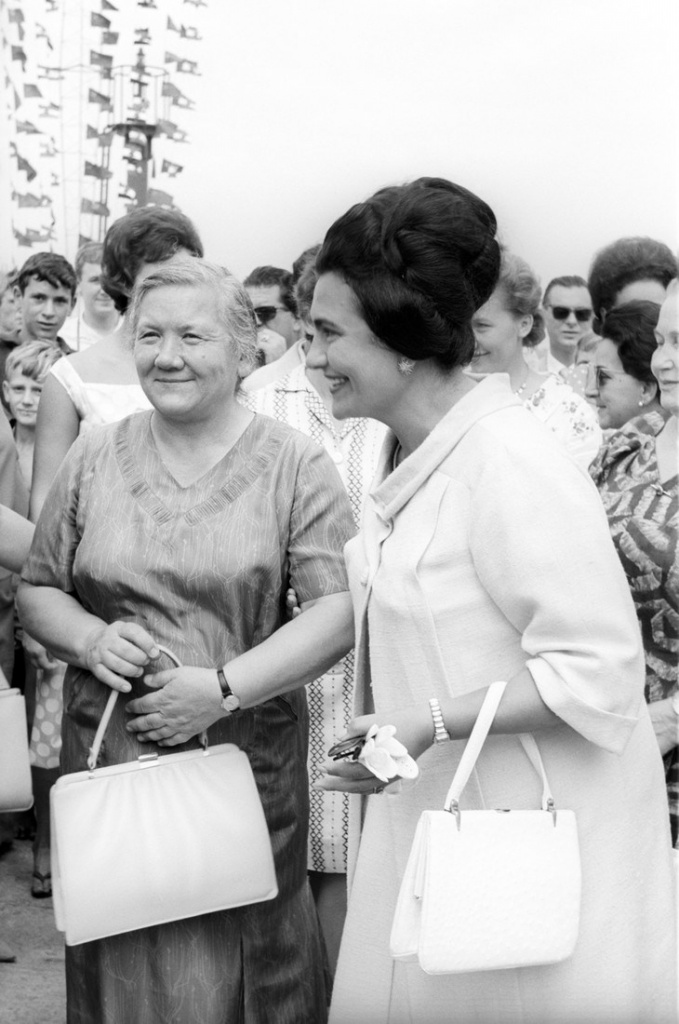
{"type": "Point", "coordinates": [643, 515]}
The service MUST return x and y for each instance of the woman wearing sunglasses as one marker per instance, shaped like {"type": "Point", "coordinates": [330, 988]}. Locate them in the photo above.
{"type": "Point", "coordinates": [636, 473]}
{"type": "Point", "coordinates": [620, 381]}
{"type": "Point", "coordinates": [508, 325]}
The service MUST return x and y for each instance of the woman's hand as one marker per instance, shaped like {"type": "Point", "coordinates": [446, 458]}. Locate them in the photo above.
{"type": "Point", "coordinates": [117, 651]}
{"type": "Point", "coordinates": [188, 700]}
{"type": "Point", "coordinates": [414, 730]}
{"type": "Point", "coordinates": [38, 655]}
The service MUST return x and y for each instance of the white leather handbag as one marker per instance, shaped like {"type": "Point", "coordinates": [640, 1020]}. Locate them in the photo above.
{"type": "Point", "coordinates": [16, 793]}
{"type": "Point", "coordinates": [486, 890]}
{"type": "Point", "coordinates": [158, 839]}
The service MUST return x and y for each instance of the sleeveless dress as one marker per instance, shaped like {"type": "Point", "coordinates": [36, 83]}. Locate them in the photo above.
{"type": "Point", "coordinates": [95, 404]}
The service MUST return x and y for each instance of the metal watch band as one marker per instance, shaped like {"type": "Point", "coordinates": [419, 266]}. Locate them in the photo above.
{"type": "Point", "coordinates": [441, 734]}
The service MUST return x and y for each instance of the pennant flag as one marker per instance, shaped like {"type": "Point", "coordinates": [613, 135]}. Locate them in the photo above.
{"type": "Point", "coordinates": [28, 128]}
{"type": "Point", "coordinates": [159, 198]}
{"type": "Point", "coordinates": [196, 3]}
{"type": "Point", "coordinates": [147, 3]}
{"type": "Point", "coordinates": [49, 109]}
{"type": "Point", "coordinates": [166, 128]}
{"type": "Point", "coordinates": [29, 200]}
{"type": "Point", "coordinates": [17, 16]}
{"type": "Point", "coordinates": [24, 165]}
{"type": "Point", "coordinates": [95, 171]}
{"type": "Point", "coordinates": [189, 67]}
{"type": "Point", "coordinates": [18, 54]}
{"type": "Point", "coordinates": [31, 92]}
{"type": "Point", "coordinates": [172, 169]}
{"type": "Point", "coordinates": [177, 97]}
{"type": "Point", "coordinates": [171, 27]}
{"type": "Point", "coordinates": [170, 89]}
{"type": "Point", "coordinates": [42, 34]}
{"type": "Point", "coordinates": [142, 37]}
{"type": "Point", "coordinates": [99, 21]}
{"type": "Point", "coordinates": [97, 97]}
{"type": "Point", "coordinates": [22, 238]}
{"type": "Point", "coordinates": [105, 73]}
{"type": "Point", "coordinates": [51, 74]}
{"type": "Point", "coordinates": [109, 38]}
{"type": "Point", "coordinates": [180, 136]}
{"type": "Point", "coordinates": [83, 240]}
{"type": "Point", "coordinates": [105, 139]}
{"type": "Point", "coordinates": [103, 60]}
{"type": "Point", "coordinates": [106, 6]}
{"type": "Point", "coordinates": [170, 57]}
{"type": "Point", "coordinates": [45, 235]}
{"type": "Point", "coordinates": [98, 209]}
{"type": "Point", "coordinates": [189, 32]}
{"type": "Point", "coordinates": [17, 99]}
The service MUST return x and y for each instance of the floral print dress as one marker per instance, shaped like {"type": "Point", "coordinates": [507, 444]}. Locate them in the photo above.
{"type": "Point", "coordinates": [569, 416]}
{"type": "Point", "coordinates": [643, 515]}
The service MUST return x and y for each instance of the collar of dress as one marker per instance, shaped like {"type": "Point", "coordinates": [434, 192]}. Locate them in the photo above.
{"type": "Point", "coordinates": [395, 488]}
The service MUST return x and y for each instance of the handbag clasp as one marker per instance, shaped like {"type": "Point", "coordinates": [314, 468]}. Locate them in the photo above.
{"type": "Point", "coordinates": [147, 758]}
{"type": "Point", "coordinates": [552, 810]}
{"type": "Point", "coordinates": [454, 808]}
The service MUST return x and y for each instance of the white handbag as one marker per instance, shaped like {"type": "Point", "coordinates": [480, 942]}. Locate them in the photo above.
{"type": "Point", "coordinates": [158, 839]}
{"type": "Point", "coordinates": [16, 793]}
{"type": "Point", "coordinates": [486, 890]}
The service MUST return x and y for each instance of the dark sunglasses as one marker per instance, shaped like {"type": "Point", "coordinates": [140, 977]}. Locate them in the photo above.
{"type": "Point", "coordinates": [563, 312]}
{"type": "Point", "coordinates": [266, 313]}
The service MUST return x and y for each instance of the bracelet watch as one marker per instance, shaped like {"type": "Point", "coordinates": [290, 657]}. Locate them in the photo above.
{"type": "Point", "coordinates": [229, 703]}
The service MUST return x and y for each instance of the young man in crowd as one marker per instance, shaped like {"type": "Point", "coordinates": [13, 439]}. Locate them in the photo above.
{"type": "Point", "coordinates": [45, 290]}
{"type": "Point", "coordinates": [95, 316]}
{"type": "Point", "coordinates": [568, 320]}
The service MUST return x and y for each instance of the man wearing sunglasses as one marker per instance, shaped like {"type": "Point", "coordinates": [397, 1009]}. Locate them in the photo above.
{"type": "Point", "coordinates": [271, 292]}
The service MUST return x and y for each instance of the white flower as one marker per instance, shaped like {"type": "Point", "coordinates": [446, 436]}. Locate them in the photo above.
{"type": "Point", "coordinates": [384, 756]}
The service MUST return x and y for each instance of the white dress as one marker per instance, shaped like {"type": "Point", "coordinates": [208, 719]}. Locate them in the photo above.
{"type": "Point", "coordinates": [486, 551]}
{"type": "Point", "coordinates": [95, 404]}
{"type": "Point", "coordinates": [354, 446]}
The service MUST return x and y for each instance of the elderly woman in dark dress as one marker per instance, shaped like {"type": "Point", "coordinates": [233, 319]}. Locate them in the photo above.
{"type": "Point", "coordinates": [184, 526]}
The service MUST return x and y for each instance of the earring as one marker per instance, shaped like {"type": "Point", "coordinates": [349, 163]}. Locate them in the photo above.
{"type": "Point", "coordinates": [641, 402]}
{"type": "Point", "coordinates": [406, 366]}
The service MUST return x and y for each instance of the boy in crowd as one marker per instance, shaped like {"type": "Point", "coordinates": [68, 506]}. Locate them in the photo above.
{"type": "Point", "coordinates": [45, 290]}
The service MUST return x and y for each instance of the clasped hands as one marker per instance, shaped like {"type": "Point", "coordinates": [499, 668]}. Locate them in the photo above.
{"type": "Point", "coordinates": [186, 701]}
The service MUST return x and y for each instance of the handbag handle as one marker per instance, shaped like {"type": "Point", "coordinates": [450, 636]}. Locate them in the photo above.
{"type": "Point", "coordinates": [473, 747]}
{"type": "Point", "coordinates": [108, 711]}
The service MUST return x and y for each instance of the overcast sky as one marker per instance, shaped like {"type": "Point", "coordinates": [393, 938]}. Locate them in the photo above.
{"type": "Point", "coordinates": [562, 115]}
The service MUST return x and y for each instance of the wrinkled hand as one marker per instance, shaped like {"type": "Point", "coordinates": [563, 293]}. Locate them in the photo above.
{"type": "Point", "coordinates": [38, 655]}
{"type": "Point", "coordinates": [119, 650]}
{"type": "Point", "coordinates": [187, 701]}
{"type": "Point", "coordinates": [413, 729]}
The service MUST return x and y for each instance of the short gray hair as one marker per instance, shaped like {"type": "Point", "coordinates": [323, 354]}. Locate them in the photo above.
{"type": "Point", "coordinates": [235, 310]}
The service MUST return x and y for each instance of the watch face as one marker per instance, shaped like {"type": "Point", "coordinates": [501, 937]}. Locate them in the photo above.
{"type": "Point", "coordinates": [231, 703]}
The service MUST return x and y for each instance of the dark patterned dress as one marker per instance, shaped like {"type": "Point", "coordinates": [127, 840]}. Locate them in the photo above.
{"type": "Point", "coordinates": [643, 516]}
{"type": "Point", "coordinates": [204, 569]}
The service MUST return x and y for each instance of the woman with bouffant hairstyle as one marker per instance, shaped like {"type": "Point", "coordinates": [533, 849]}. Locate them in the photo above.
{"type": "Point", "coordinates": [484, 555]}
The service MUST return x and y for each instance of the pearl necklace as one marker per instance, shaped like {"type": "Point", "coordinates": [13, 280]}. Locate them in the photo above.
{"type": "Point", "coordinates": [518, 391]}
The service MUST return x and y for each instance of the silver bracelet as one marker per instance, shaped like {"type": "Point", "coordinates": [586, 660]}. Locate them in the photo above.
{"type": "Point", "coordinates": [441, 734]}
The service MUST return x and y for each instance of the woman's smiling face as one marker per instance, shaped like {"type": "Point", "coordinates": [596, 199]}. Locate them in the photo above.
{"type": "Point", "coordinates": [361, 371]}
{"type": "Point", "coordinates": [498, 334]}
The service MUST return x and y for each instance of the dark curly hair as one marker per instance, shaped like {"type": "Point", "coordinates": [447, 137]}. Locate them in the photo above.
{"type": "Point", "coordinates": [149, 234]}
{"type": "Point", "coordinates": [631, 328]}
{"type": "Point", "coordinates": [625, 261]}
{"type": "Point", "coordinates": [420, 258]}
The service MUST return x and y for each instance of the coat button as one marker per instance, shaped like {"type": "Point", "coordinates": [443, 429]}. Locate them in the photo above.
{"type": "Point", "coordinates": [337, 457]}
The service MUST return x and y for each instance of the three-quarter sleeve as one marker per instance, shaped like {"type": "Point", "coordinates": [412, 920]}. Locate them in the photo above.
{"type": "Point", "coordinates": [320, 525]}
{"type": "Point", "coordinates": [548, 563]}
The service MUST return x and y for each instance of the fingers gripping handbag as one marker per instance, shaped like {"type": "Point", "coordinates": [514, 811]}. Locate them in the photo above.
{"type": "Point", "coordinates": [158, 839]}
{"type": "Point", "coordinates": [486, 890]}
{"type": "Point", "coordinates": [15, 771]}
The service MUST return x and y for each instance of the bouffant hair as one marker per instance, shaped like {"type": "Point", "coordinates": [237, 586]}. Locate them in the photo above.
{"type": "Point", "coordinates": [625, 261]}
{"type": "Point", "coordinates": [148, 234]}
{"type": "Point", "coordinates": [631, 328]}
{"type": "Point", "coordinates": [420, 258]}
{"type": "Point", "coordinates": [522, 292]}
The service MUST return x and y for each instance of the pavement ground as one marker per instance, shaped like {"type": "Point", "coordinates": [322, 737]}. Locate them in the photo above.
{"type": "Point", "coordinates": [32, 990]}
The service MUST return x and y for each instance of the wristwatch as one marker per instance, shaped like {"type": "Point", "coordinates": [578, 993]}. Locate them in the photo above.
{"type": "Point", "coordinates": [229, 703]}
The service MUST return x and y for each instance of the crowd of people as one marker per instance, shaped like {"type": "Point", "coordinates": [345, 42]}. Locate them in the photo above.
{"type": "Point", "coordinates": [348, 495]}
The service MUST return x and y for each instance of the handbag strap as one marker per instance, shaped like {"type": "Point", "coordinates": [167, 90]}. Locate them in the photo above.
{"type": "Point", "coordinates": [475, 743]}
{"type": "Point", "coordinates": [108, 711]}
